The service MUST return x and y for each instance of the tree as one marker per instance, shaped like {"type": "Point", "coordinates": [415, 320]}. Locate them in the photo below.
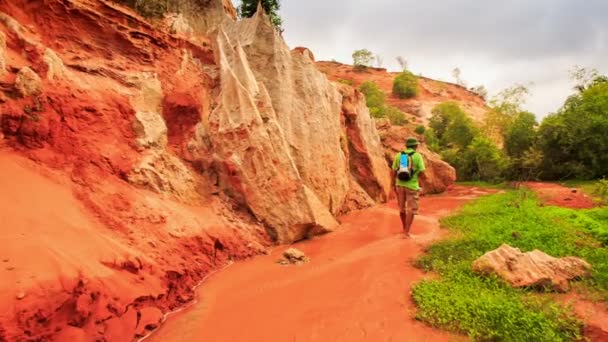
{"type": "Point", "coordinates": [405, 85]}
{"type": "Point", "coordinates": [573, 140]}
{"type": "Point", "coordinates": [363, 58]}
{"type": "Point", "coordinates": [481, 91]}
{"type": "Point", "coordinates": [247, 8]}
{"type": "Point", "coordinates": [456, 74]}
{"type": "Point", "coordinates": [483, 161]}
{"type": "Point", "coordinates": [452, 126]}
{"type": "Point", "coordinates": [582, 77]}
{"type": "Point", "coordinates": [402, 63]}
{"type": "Point", "coordinates": [379, 61]}
{"type": "Point", "coordinates": [520, 136]}
{"type": "Point", "coordinates": [503, 109]}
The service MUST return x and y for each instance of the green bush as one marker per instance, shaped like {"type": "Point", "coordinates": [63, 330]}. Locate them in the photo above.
{"type": "Point", "coordinates": [376, 102]}
{"type": "Point", "coordinates": [375, 98]}
{"type": "Point", "coordinates": [347, 82]}
{"type": "Point", "coordinates": [431, 140]}
{"type": "Point", "coordinates": [420, 129]}
{"type": "Point", "coordinates": [452, 126]}
{"type": "Point", "coordinates": [405, 85]}
{"type": "Point", "coordinates": [482, 161]}
{"type": "Point", "coordinates": [395, 116]}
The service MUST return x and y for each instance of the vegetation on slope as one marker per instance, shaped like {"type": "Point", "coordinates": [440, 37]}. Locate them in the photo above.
{"type": "Point", "coordinates": [486, 307]}
{"type": "Point", "coordinates": [405, 85]}
{"type": "Point", "coordinates": [376, 102]}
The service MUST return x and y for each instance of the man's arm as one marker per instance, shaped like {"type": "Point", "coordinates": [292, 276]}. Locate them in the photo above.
{"type": "Point", "coordinates": [394, 171]}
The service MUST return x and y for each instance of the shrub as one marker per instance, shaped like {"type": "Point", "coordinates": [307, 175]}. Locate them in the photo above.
{"type": "Point", "coordinates": [481, 161]}
{"type": "Point", "coordinates": [347, 82]}
{"type": "Point", "coordinates": [376, 102]}
{"type": "Point", "coordinates": [420, 129]}
{"type": "Point", "coordinates": [431, 140]}
{"type": "Point", "coordinates": [405, 85]}
{"type": "Point", "coordinates": [395, 116]}
{"type": "Point", "coordinates": [374, 97]}
{"type": "Point", "coordinates": [452, 126]}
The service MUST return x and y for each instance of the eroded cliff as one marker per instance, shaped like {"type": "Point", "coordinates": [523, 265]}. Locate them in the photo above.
{"type": "Point", "coordinates": [137, 158]}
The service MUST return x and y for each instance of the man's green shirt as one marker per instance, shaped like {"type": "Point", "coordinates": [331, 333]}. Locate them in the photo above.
{"type": "Point", "coordinates": [418, 164]}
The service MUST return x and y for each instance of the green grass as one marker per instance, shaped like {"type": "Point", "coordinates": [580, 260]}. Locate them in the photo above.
{"type": "Point", "coordinates": [486, 308]}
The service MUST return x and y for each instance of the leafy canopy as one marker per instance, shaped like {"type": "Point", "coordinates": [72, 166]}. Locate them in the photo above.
{"type": "Point", "coordinates": [247, 8]}
{"type": "Point", "coordinates": [363, 58]}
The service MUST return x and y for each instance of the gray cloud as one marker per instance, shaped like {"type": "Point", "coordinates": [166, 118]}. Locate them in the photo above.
{"type": "Point", "coordinates": [495, 43]}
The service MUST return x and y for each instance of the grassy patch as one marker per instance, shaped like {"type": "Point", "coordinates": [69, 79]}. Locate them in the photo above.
{"type": "Point", "coordinates": [485, 307]}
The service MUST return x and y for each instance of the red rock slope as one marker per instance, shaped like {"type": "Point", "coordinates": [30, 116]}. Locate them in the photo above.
{"type": "Point", "coordinates": [135, 159]}
{"type": "Point", "coordinates": [419, 108]}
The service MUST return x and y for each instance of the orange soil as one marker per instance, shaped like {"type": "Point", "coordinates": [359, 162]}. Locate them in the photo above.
{"type": "Point", "coordinates": [67, 274]}
{"type": "Point", "coordinates": [356, 287]}
{"type": "Point", "coordinates": [561, 196]}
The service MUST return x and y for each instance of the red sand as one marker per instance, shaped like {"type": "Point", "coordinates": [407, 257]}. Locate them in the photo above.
{"type": "Point", "coordinates": [356, 287]}
{"type": "Point", "coordinates": [561, 196]}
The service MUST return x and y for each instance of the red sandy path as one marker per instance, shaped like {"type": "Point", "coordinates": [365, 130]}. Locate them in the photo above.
{"type": "Point", "coordinates": [561, 196]}
{"type": "Point", "coordinates": [356, 288]}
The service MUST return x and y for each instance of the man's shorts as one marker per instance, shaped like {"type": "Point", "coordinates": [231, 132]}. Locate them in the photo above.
{"type": "Point", "coordinates": [407, 198]}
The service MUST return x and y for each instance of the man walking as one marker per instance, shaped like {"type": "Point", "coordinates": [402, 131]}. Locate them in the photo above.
{"type": "Point", "coordinates": [407, 166]}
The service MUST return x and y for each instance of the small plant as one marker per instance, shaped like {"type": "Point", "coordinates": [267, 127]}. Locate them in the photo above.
{"type": "Point", "coordinates": [347, 82]}
{"type": "Point", "coordinates": [420, 129]}
{"type": "Point", "coordinates": [375, 98]}
{"type": "Point", "coordinates": [601, 190]}
{"type": "Point", "coordinates": [395, 116]}
{"type": "Point", "coordinates": [402, 62]}
{"type": "Point", "coordinates": [405, 85]}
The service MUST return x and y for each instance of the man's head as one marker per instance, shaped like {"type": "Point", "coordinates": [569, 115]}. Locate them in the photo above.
{"type": "Point", "coordinates": [411, 142]}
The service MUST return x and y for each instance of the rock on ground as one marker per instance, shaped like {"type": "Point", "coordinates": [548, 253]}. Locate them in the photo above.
{"type": "Point", "coordinates": [293, 256]}
{"type": "Point", "coordinates": [531, 269]}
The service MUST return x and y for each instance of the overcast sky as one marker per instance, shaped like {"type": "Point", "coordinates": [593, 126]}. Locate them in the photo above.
{"type": "Point", "coordinates": [494, 43]}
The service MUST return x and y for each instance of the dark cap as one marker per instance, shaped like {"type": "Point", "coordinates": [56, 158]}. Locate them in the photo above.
{"type": "Point", "coordinates": [411, 142]}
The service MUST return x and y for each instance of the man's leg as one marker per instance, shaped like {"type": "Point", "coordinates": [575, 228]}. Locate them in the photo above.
{"type": "Point", "coordinates": [401, 205]}
{"type": "Point", "coordinates": [412, 209]}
